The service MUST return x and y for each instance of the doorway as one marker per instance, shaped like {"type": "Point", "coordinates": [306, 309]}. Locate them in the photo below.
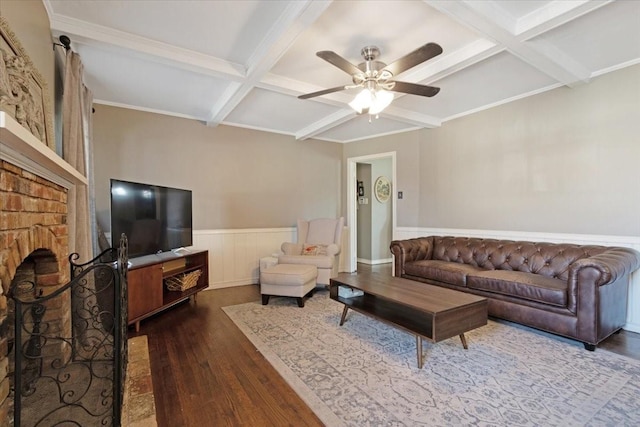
{"type": "Point", "coordinates": [377, 161]}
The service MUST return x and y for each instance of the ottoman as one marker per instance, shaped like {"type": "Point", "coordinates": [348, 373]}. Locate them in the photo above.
{"type": "Point", "coordinates": [288, 280]}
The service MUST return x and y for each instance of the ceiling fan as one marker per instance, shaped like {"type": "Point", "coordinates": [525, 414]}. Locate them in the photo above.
{"type": "Point", "coordinates": [376, 77]}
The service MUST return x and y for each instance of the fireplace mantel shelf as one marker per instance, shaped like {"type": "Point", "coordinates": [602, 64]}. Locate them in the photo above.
{"type": "Point", "coordinates": [19, 145]}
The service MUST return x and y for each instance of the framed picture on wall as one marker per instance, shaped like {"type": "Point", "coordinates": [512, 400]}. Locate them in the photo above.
{"type": "Point", "coordinates": [382, 189]}
{"type": "Point", "coordinates": [360, 189]}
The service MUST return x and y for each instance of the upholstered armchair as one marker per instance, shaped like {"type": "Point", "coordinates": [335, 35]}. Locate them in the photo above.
{"type": "Point", "coordinates": [319, 244]}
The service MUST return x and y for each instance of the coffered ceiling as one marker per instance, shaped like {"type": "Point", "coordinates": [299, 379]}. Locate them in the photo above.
{"type": "Point", "coordinates": [243, 63]}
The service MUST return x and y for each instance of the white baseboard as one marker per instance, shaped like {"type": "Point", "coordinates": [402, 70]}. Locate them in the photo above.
{"type": "Point", "coordinates": [375, 261]}
{"type": "Point", "coordinates": [632, 327]}
{"type": "Point", "coordinates": [232, 284]}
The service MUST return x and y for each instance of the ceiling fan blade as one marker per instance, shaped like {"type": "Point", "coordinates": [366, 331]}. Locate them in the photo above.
{"type": "Point", "coordinates": [337, 60]}
{"type": "Point", "coordinates": [323, 92]}
{"type": "Point", "coordinates": [414, 58]}
{"type": "Point", "coordinates": [415, 89]}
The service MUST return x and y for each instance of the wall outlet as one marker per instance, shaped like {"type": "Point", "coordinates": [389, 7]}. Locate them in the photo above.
{"type": "Point", "coordinates": [399, 194]}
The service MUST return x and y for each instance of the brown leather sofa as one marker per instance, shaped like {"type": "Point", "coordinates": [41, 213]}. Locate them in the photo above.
{"type": "Point", "coordinates": [576, 291]}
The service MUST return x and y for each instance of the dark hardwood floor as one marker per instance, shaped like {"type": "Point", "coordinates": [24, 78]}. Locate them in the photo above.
{"type": "Point", "coordinates": [207, 373]}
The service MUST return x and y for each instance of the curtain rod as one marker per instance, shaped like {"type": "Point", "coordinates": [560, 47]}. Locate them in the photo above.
{"type": "Point", "coordinates": [65, 42]}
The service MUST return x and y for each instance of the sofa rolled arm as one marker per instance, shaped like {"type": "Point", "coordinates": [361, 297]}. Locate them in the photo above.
{"type": "Point", "coordinates": [410, 250]}
{"type": "Point", "coordinates": [289, 248]}
{"type": "Point", "coordinates": [611, 264]}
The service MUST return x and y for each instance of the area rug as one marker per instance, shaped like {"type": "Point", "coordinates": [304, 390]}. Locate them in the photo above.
{"type": "Point", "coordinates": [365, 373]}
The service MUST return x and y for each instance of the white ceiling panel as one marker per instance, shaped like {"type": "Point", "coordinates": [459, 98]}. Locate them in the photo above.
{"type": "Point", "coordinates": [601, 40]}
{"type": "Point", "coordinates": [346, 28]}
{"type": "Point", "coordinates": [363, 127]}
{"type": "Point", "coordinates": [520, 8]}
{"type": "Point", "coordinates": [244, 63]}
{"type": "Point", "coordinates": [131, 81]}
{"type": "Point", "coordinates": [223, 29]}
{"type": "Point", "coordinates": [484, 83]}
{"type": "Point", "coordinates": [263, 109]}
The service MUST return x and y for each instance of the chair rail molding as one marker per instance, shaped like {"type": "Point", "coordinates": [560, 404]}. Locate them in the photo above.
{"type": "Point", "coordinates": [633, 308]}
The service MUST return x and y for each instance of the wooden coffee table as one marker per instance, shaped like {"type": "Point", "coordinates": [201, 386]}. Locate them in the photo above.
{"type": "Point", "coordinates": [426, 311]}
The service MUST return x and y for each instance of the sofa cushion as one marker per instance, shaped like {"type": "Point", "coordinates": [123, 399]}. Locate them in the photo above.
{"type": "Point", "coordinates": [533, 287]}
{"type": "Point", "coordinates": [449, 272]}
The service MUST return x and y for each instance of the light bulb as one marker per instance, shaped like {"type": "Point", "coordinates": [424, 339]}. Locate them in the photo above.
{"type": "Point", "coordinates": [362, 101]}
{"type": "Point", "coordinates": [381, 100]}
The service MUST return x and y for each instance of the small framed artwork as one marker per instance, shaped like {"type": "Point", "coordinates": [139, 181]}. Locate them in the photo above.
{"type": "Point", "coordinates": [360, 189]}
{"type": "Point", "coordinates": [382, 189]}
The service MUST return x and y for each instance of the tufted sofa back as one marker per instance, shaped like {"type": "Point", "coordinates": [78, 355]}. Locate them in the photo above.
{"type": "Point", "coordinates": [547, 259]}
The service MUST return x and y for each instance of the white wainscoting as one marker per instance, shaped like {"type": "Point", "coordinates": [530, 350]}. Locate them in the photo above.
{"type": "Point", "coordinates": [633, 310]}
{"type": "Point", "coordinates": [234, 255]}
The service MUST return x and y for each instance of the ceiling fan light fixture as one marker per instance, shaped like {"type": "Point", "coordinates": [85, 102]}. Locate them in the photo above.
{"type": "Point", "coordinates": [371, 101]}
{"type": "Point", "coordinates": [362, 101]}
{"type": "Point", "coordinates": [381, 100]}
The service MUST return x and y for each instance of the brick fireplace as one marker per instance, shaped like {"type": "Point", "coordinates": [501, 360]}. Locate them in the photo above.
{"type": "Point", "coordinates": [33, 244]}
{"type": "Point", "coordinates": [35, 186]}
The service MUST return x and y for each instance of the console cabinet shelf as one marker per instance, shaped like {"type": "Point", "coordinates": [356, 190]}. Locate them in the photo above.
{"type": "Point", "coordinates": [147, 293]}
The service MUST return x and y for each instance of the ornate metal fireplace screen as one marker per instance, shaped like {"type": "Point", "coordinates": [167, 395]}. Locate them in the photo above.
{"type": "Point", "coordinates": [73, 374]}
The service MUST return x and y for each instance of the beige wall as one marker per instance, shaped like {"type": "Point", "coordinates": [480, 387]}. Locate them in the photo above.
{"type": "Point", "coordinates": [565, 161]}
{"type": "Point", "coordinates": [363, 212]}
{"type": "Point", "coordinates": [562, 161]}
{"type": "Point", "coordinates": [375, 219]}
{"type": "Point", "coordinates": [240, 178]}
{"type": "Point", "coordinates": [381, 213]}
{"type": "Point", "coordinates": [29, 21]}
{"type": "Point", "coordinates": [407, 148]}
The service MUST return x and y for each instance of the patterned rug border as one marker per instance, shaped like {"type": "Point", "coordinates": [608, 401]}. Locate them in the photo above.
{"type": "Point", "coordinates": [323, 412]}
{"type": "Point", "coordinates": [327, 415]}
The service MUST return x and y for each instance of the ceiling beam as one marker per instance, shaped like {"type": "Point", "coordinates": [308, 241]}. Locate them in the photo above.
{"type": "Point", "coordinates": [479, 15]}
{"type": "Point", "coordinates": [108, 38]}
{"type": "Point", "coordinates": [552, 15]}
{"type": "Point", "coordinates": [298, 16]}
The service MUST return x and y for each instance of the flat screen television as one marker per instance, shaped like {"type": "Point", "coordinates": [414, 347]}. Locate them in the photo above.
{"type": "Point", "coordinates": [154, 218]}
